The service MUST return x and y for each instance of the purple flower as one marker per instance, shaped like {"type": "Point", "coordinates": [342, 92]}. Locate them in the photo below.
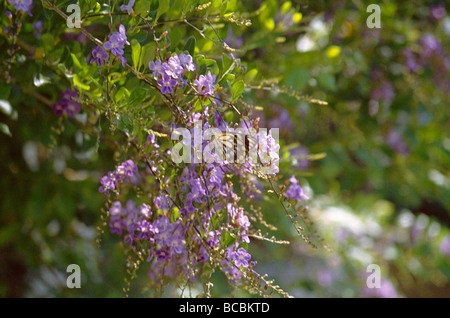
{"type": "Point", "coordinates": [69, 94]}
{"type": "Point", "coordinates": [176, 244]}
{"type": "Point", "coordinates": [68, 104]}
{"type": "Point", "coordinates": [241, 257]}
{"type": "Point", "coordinates": [37, 27]}
{"type": "Point", "coordinates": [123, 35]}
{"type": "Point", "coordinates": [128, 7]}
{"type": "Point", "coordinates": [127, 168]}
{"type": "Point", "coordinates": [58, 108]}
{"type": "Point", "coordinates": [186, 62]}
{"type": "Point", "coordinates": [384, 90]}
{"type": "Point", "coordinates": [437, 12]}
{"type": "Point", "coordinates": [72, 107]}
{"type": "Point", "coordinates": [395, 141]}
{"type": "Point", "coordinates": [411, 62]}
{"type": "Point", "coordinates": [99, 55]}
{"type": "Point", "coordinates": [152, 140]}
{"type": "Point", "coordinates": [108, 182]}
{"type": "Point", "coordinates": [429, 44]}
{"type": "Point", "coordinates": [115, 44]}
{"type": "Point", "coordinates": [167, 83]}
{"type": "Point", "coordinates": [162, 202]}
{"type": "Point", "coordinates": [233, 41]}
{"type": "Point", "coordinates": [156, 67]}
{"type": "Point", "coordinates": [123, 60]}
{"type": "Point", "coordinates": [444, 247]}
{"type": "Point", "coordinates": [295, 191]}
{"type": "Point", "coordinates": [173, 67]}
{"type": "Point", "coordinates": [205, 84]}
{"type": "Point", "coordinates": [22, 5]}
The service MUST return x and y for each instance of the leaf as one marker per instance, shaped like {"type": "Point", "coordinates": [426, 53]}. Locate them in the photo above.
{"type": "Point", "coordinates": [5, 129]}
{"type": "Point", "coordinates": [190, 45]}
{"type": "Point", "coordinates": [250, 75]}
{"type": "Point", "coordinates": [228, 66]}
{"type": "Point", "coordinates": [142, 8]}
{"type": "Point", "coordinates": [164, 6]}
{"type": "Point", "coordinates": [226, 62]}
{"type": "Point", "coordinates": [79, 84]}
{"type": "Point", "coordinates": [4, 92]}
{"type": "Point", "coordinates": [226, 239]}
{"type": "Point", "coordinates": [147, 54]}
{"type": "Point", "coordinates": [297, 78]}
{"type": "Point", "coordinates": [76, 62]}
{"type": "Point", "coordinates": [327, 81]}
{"type": "Point", "coordinates": [135, 53]}
{"type": "Point", "coordinates": [236, 90]}
{"type": "Point", "coordinates": [137, 96]}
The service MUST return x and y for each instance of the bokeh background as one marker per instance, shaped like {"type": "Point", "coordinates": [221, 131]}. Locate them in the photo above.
{"type": "Point", "coordinates": [374, 159]}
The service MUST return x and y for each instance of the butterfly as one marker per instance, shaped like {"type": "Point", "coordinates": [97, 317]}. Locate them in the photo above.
{"type": "Point", "coordinates": [235, 147]}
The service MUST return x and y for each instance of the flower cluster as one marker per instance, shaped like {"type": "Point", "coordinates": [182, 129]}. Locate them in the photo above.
{"type": "Point", "coordinates": [37, 28]}
{"type": "Point", "coordinates": [68, 104]}
{"type": "Point", "coordinates": [127, 171]}
{"type": "Point", "coordinates": [430, 54]}
{"type": "Point", "coordinates": [115, 44]}
{"type": "Point", "coordinates": [172, 233]}
{"type": "Point", "coordinates": [295, 191]}
{"type": "Point", "coordinates": [170, 74]}
{"type": "Point", "coordinates": [205, 84]}
{"type": "Point", "coordinates": [22, 5]}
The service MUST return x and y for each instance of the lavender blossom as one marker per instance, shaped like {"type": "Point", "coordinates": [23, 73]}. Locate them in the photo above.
{"type": "Point", "coordinates": [68, 104]}
{"type": "Point", "coordinates": [99, 55]}
{"type": "Point", "coordinates": [173, 67]}
{"type": "Point", "coordinates": [128, 7]}
{"type": "Point", "coordinates": [295, 191]}
{"type": "Point", "coordinates": [241, 257]}
{"type": "Point", "coordinates": [156, 67]}
{"type": "Point", "coordinates": [205, 84]}
{"type": "Point", "coordinates": [22, 5]}
{"type": "Point", "coordinates": [167, 83]}
{"type": "Point", "coordinates": [186, 62]}
{"type": "Point", "coordinates": [115, 44]}
{"type": "Point", "coordinates": [37, 27]}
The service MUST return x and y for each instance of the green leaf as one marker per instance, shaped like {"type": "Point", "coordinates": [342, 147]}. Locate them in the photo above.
{"type": "Point", "coordinates": [190, 45]}
{"type": "Point", "coordinates": [236, 90]}
{"type": "Point", "coordinates": [228, 66]}
{"type": "Point", "coordinates": [142, 7]}
{"type": "Point", "coordinates": [226, 239]}
{"type": "Point", "coordinates": [4, 92]}
{"type": "Point", "coordinates": [79, 84]}
{"type": "Point", "coordinates": [147, 54]}
{"type": "Point", "coordinates": [226, 62]}
{"type": "Point", "coordinates": [327, 81]}
{"type": "Point", "coordinates": [164, 6]}
{"type": "Point", "coordinates": [250, 75]}
{"type": "Point", "coordinates": [135, 53]}
{"type": "Point", "coordinates": [297, 78]}
{"type": "Point", "coordinates": [175, 36]}
{"type": "Point", "coordinates": [137, 96]}
{"type": "Point", "coordinates": [76, 62]}
{"type": "Point", "coordinates": [5, 129]}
